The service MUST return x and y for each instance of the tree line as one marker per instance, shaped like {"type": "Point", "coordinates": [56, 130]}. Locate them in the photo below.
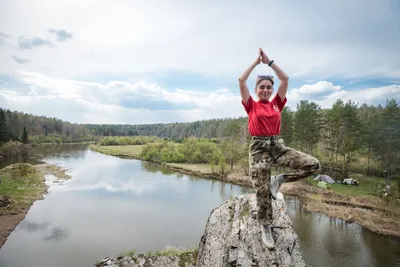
{"type": "Point", "coordinates": [361, 138]}
{"type": "Point", "coordinates": [349, 137]}
{"type": "Point", "coordinates": [23, 127]}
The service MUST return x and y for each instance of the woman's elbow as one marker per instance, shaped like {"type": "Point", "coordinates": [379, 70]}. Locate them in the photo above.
{"type": "Point", "coordinates": [285, 79]}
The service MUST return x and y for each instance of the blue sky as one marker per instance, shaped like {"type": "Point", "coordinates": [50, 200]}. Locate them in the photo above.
{"type": "Point", "coordinates": [156, 61]}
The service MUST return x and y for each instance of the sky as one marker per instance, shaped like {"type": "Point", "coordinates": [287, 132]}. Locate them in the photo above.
{"type": "Point", "coordinates": [140, 62]}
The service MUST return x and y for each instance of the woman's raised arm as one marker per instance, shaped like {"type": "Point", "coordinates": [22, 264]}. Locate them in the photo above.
{"type": "Point", "coordinates": [244, 90]}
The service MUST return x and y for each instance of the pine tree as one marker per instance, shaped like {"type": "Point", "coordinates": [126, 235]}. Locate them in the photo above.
{"type": "Point", "coordinates": [4, 133]}
{"type": "Point", "coordinates": [307, 125]}
{"type": "Point", "coordinates": [25, 136]}
{"type": "Point", "coordinates": [230, 146]}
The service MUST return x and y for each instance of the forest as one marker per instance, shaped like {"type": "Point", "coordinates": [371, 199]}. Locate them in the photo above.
{"type": "Point", "coordinates": [363, 138]}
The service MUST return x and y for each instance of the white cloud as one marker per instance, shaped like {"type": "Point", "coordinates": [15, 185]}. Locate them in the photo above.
{"type": "Point", "coordinates": [209, 38]}
{"type": "Point", "coordinates": [316, 88]}
{"type": "Point", "coordinates": [326, 93]}
{"type": "Point", "coordinates": [117, 102]}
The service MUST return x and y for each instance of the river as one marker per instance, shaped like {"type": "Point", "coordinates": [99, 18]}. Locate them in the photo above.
{"type": "Point", "coordinates": [113, 205]}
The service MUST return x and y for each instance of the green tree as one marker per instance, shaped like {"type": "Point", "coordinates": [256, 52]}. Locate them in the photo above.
{"type": "Point", "coordinates": [351, 132]}
{"type": "Point", "coordinates": [333, 129]}
{"type": "Point", "coordinates": [231, 147]}
{"type": "Point", "coordinates": [307, 125]}
{"type": "Point", "coordinates": [287, 126]}
{"type": "Point", "coordinates": [24, 137]}
{"type": "Point", "coordinates": [387, 145]}
{"type": "Point", "coordinates": [368, 115]}
{"type": "Point", "coordinates": [4, 133]}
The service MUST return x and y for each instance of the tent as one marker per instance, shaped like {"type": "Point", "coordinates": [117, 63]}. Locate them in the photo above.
{"type": "Point", "coordinates": [324, 178]}
{"type": "Point", "coordinates": [324, 185]}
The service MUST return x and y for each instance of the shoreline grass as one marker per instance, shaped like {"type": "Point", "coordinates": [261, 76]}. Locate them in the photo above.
{"type": "Point", "coordinates": [21, 184]}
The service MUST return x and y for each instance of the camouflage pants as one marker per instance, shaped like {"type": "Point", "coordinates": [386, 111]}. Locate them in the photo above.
{"type": "Point", "coordinates": [266, 152]}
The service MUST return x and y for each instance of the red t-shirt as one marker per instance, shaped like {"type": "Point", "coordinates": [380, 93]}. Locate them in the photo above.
{"type": "Point", "coordinates": [264, 116]}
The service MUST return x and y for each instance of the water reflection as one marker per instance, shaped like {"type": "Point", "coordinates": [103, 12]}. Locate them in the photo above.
{"type": "Point", "coordinates": [57, 234]}
{"type": "Point", "coordinates": [32, 227]}
{"type": "Point", "coordinates": [36, 154]}
{"type": "Point", "coordinates": [156, 168]}
{"type": "Point", "coordinates": [44, 229]}
{"type": "Point", "coordinates": [332, 242]}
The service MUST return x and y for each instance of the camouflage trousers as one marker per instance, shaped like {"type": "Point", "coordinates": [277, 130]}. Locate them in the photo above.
{"type": "Point", "coordinates": [266, 152]}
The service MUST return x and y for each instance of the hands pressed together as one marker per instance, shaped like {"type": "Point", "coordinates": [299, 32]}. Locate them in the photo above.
{"type": "Point", "coordinates": [262, 57]}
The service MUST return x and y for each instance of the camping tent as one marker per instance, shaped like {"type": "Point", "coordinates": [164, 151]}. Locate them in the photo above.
{"type": "Point", "coordinates": [324, 178]}
{"type": "Point", "coordinates": [322, 184]}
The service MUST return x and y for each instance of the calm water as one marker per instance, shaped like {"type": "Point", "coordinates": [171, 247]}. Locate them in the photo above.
{"type": "Point", "coordinates": [113, 205]}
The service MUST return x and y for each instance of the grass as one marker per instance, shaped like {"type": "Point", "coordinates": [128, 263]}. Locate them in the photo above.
{"type": "Point", "coordinates": [185, 255]}
{"type": "Point", "coordinates": [57, 171]}
{"type": "Point", "coordinates": [203, 167]}
{"type": "Point", "coordinates": [10, 146]}
{"type": "Point", "coordinates": [128, 150]}
{"type": "Point", "coordinates": [366, 186]}
{"type": "Point", "coordinates": [21, 184]}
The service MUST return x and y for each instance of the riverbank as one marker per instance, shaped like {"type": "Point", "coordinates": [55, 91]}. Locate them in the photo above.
{"type": "Point", "coordinates": [12, 148]}
{"type": "Point", "coordinates": [359, 207]}
{"type": "Point", "coordinates": [21, 185]}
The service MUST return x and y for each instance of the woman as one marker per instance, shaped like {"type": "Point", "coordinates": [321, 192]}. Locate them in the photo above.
{"type": "Point", "coordinates": [266, 149]}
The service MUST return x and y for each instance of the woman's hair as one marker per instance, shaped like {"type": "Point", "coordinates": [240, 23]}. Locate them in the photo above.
{"type": "Point", "coordinates": [261, 78]}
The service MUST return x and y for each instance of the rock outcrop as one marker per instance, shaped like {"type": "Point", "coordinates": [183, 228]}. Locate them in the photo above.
{"type": "Point", "coordinates": [232, 237]}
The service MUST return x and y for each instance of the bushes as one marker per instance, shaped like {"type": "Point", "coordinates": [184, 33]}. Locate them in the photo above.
{"type": "Point", "coordinates": [127, 140]}
{"type": "Point", "coordinates": [162, 152]}
{"type": "Point", "coordinates": [191, 150]}
{"type": "Point", "coordinates": [199, 150]}
{"type": "Point", "coordinates": [58, 139]}
{"type": "Point", "coordinates": [41, 139]}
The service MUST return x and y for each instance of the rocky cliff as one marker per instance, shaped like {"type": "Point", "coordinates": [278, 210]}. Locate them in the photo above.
{"type": "Point", "coordinates": [232, 237]}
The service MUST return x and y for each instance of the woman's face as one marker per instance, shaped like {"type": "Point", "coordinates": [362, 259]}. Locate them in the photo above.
{"type": "Point", "coordinates": [264, 90]}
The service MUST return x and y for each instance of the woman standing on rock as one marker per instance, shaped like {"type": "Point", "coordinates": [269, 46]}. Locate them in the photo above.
{"type": "Point", "coordinates": [266, 148]}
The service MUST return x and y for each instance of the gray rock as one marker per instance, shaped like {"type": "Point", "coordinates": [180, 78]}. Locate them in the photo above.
{"type": "Point", "coordinates": [232, 237]}
{"type": "Point", "coordinates": [141, 260]}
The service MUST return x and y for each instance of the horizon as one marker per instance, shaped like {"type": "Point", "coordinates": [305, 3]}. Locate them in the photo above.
{"type": "Point", "coordinates": [128, 62]}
